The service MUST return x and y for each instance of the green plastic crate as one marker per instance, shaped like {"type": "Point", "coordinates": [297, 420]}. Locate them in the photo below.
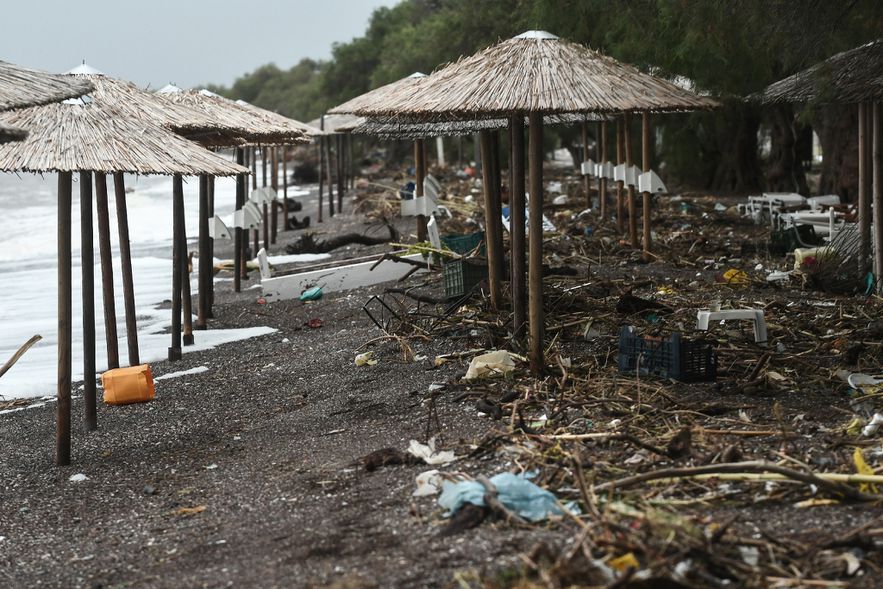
{"type": "Point", "coordinates": [461, 276]}
{"type": "Point", "coordinates": [463, 244]}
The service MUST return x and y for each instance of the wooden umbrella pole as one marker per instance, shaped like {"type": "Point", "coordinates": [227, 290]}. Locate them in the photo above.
{"type": "Point", "coordinates": [265, 225]}
{"type": "Point", "coordinates": [106, 254]}
{"type": "Point", "coordinates": [878, 194]}
{"type": "Point", "coordinates": [321, 174]}
{"type": "Point", "coordinates": [601, 149]}
{"type": "Point", "coordinates": [87, 267]}
{"type": "Point", "coordinates": [516, 227]}
{"type": "Point", "coordinates": [535, 234]}
{"type": "Point", "coordinates": [274, 205]}
{"type": "Point", "coordinates": [645, 196]}
{"type": "Point", "coordinates": [864, 200]}
{"type": "Point", "coordinates": [63, 390]}
{"type": "Point", "coordinates": [186, 298]}
{"type": "Point", "coordinates": [498, 205]}
{"type": "Point", "coordinates": [284, 190]}
{"type": "Point", "coordinates": [633, 217]}
{"type": "Point", "coordinates": [587, 180]}
{"type": "Point", "coordinates": [119, 188]}
{"type": "Point", "coordinates": [491, 238]}
{"type": "Point", "coordinates": [341, 178]}
{"type": "Point", "coordinates": [210, 279]}
{"type": "Point", "coordinates": [349, 159]}
{"type": "Point", "coordinates": [205, 262]}
{"type": "Point", "coordinates": [239, 233]}
{"type": "Point", "coordinates": [252, 155]}
{"type": "Point", "coordinates": [620, 207]}
{"type": "Point", "coordinates": [177, 257]}
{"type": "Point", "coordinates": [420, 171]}
{"type": "Point", "coordinates": [329, 169]}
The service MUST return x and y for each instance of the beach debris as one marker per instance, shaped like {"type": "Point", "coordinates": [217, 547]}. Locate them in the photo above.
{"type": "Point", "coordinates": [428, 453]}
{"type": "Point", "coordinates": [388, 456]}
{"type": "Point", "coordinates": [19, 353]}
{"type": "Point", "coordinates": [311, 294]}
{"type": "Point", "coordinates": [493, 363]}
{"type": "Point", "coordinates": [365, 359]}
{"type": "Point", "coordinates": [78, 478]}
{"type": "Point", "coordinates": [704, 316]}
{"type": "Point", "coordinates": [307, 243]}
{"type": "Point", "coordinates": [629, 304]}
{"type": "Point", "coordinates": [873, 426]}
{"type": "Point", "coordinates": [514, 492]}
{"type": "Point", "coordinates": [314, 323]}
{"type": "Point", "coordinates": [428, 483]}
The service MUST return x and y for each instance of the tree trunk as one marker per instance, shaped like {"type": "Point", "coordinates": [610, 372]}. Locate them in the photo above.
{"type": "Point", "coordinates": [784, 169]}
{"type": "Point", "coordinates": [735, 135]}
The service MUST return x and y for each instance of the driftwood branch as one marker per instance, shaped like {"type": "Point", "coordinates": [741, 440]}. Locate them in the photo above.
{"type": "Point", "coordinates": [19, 353]}
{"type": "Point", "coordinates": [740, 467]}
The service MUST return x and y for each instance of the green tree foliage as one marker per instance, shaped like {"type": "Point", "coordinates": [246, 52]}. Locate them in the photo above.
{"type": "Point", "coordinates": [727, 48]}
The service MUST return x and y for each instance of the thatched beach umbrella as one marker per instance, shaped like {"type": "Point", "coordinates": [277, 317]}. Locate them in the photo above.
{"type": "Point", "coordinates": [83, 136]}
{"type": "Point", "coordinates": [853, 77]}
{"type": "Point", "coordinates": [243, 126]}
{"type": "Point", "coordinates": [535, 74]}
{"type": "Point", "coordinates": [21, 87]}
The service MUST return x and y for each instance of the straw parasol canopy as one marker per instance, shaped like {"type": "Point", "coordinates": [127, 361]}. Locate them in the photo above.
{"type": "Point", "coordinates": [246, 125]}
{"type": "Point", "coordinates": [849, 77]}
{"type": "Point", "coordinates": [80, 135]}
{"type": "Point", "coordinates": [9, 134]}
{"type": "Point", "coordinates": [22, 87]}
{"type": "Point", "coordinates": [397, 128]}
{"type": "Point", "coordinates": [379, 96]}
{"type": "Point", "coordinates": [335, 124]}
{"type": "Point", "coordinates": [276, 118]}
{"type": "Point", "coordinates": [534, 72]}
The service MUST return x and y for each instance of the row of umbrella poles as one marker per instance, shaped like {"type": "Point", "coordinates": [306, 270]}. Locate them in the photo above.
{"type": "Point", "coordinates": [115, 128]}
{"type": "Point", "coordinates": [518, 83]}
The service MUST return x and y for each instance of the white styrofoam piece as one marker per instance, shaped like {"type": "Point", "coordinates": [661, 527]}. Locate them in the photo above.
{"type": "Point", "coordinates": [290, 286]}
{"type": "Point", "coordinates": [217, 229]}
{"type": "Point", "coordinates": [650, 182]}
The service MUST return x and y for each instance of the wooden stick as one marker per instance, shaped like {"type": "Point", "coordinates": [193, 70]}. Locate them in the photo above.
{"type": "Point", "coordinates": [87, 267]}
{"type": "Point", "coordinates": [620, 206]}
{"type": "Point", "coordinates": [329, 170]}
{"type": "Point", "coordinates": [864, 200]}
{"type": "Point", "coordinates": [739, 467]}
{"type": "Point", "coordinates": [186, 298]}
{"type": "Point", "coordinates": [63, 390]}
{"type": "Point", "coordinates": [645, 196]}
{"type": "Point", "coordinates": [205, 262]}
{"type": "Point", "coordinates": [877, 174]}
{"type": "Point", "coordinates": [516, 228]}
{"type": "Point", "coordinates": [420, 171]}
{"type": "Point", "coordinates": [602, 182]}
{"type": "Point", "coordinates": [341, 173]}
{"type": "Point", "coordinates": [239, 232]}
{"type": "Point", "coordinates": [535, 233]}
{"type": "Point", "coordinates": [107, 290]}
{"type": "Point", "coordinates": [492, 240]}
{"type": "Point", "coordinates": [177, 260]}
{"type": "Point", "coordinates": [284, 190]}
{"type": "Point", "coordinates": [265, 225]}
{"type": "Point", "coordinates": [19, 353]}
{"type": "Point", "coordinates": [210, 279]}
{"type": "Point", "coordinates": [587, 180]}
{"type": "Point", "coordinates": [321, 147]}
{"type": "Point", "coordinates": [119, 188]}
{"type": "Point", "coordinates": [633, 217]}
{"type": "Point", "coordinates": [274, 182]}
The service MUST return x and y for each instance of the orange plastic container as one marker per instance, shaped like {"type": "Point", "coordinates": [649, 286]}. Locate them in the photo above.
{"type": "Point", "coordinates": [128, 385]}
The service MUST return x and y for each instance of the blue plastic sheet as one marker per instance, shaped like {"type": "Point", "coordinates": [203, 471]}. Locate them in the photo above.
{"type": "Point", "coordinates": [514, 491]}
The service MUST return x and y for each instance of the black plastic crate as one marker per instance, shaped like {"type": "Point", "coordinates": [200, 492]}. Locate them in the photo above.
{"type": "Point", "coordinates": [461, 276]}
{"type": "Point", "coordinates": [672, 357]}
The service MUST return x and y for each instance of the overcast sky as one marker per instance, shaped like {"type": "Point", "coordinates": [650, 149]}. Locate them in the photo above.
{"type": "Point", "coordinates": [186, 42]}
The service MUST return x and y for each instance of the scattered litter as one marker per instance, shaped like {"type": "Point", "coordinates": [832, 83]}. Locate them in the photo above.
{"type": "Point", "coordinates": [428, 454]}
{"type": "Point", "coordinates": [515, 492]}
{"type": "Point", "coordinates": [428, 483]}
{"type": "Point", "coordinates": [196, 370]}
{"type": "Point", "coordinates": [365, 359]}
{"type": "Point", "coordinates": [314, 323]}
{"type": "Point", "coordinates": [491, 364]}
{"type": "Point", "coordinates": [311, 294]}
{"type": "Point", "coordinates": [78, 478]}
{"type": "Point", "coordinates": [873, 425]}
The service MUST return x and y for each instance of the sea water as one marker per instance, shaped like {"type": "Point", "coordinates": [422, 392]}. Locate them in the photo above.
{"type": "Point", "coordinates": [28, 274]}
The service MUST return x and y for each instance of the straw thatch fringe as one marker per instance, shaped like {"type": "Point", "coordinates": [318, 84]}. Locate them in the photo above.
{"type": "Point", "coordinates": [8, 134]}
{"type": "Point", "coordinates": [233, 124]}
{"type": "Point", "coordinates": [845, 78]}
{"type": "Point", "coordinates": [535, 72]}
{"type": "Point", "coordinates": [22, 87]}
{"type": "Point", "coordinates": [335, 124]}
{"type": "Point", "coordinates": [77, 136]}
{"type": "Point", "coordinates": [399, 128]}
